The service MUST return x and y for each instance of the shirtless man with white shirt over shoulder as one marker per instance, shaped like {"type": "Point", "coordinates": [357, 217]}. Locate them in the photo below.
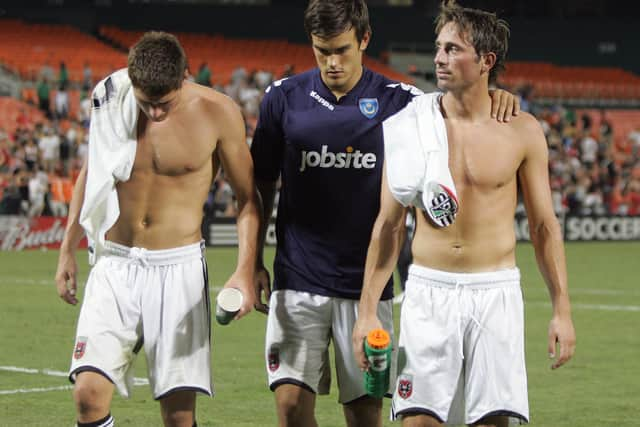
{"type": "Point", "coordinates": [462, 326]}
{"type": "Point", "coordinates": [152, 271]}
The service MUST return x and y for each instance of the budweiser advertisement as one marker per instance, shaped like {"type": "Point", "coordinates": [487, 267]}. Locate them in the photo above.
{"type": "Point", "coordinates": [20, 233]}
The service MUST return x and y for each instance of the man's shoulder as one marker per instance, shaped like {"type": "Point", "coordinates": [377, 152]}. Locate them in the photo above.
{"type": "Point", "coordinates": [207, 97]}
{"type": "Point", "coordinates": [287, 85]}
{"type": "Point", "coordinates": [210, 102]}
{"type": "Point", "coordinates": [525, 123]}
{"type": "Point", "coordinates": [526, 130]}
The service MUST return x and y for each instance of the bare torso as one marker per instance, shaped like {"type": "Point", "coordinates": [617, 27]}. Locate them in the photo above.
{"type": "Point", "coordinates": [161, 203]}
{"type": "Point", "coordinates": [484, 159]}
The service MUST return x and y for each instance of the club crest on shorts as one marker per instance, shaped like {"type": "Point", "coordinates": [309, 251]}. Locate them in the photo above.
{"type": "Point", "coordinates": [273, 359]}
{"type": "Point", "coordinates": [368, 107]}
{"type": "Point", "coordinates": [81, 345]}
{"type": "Point", "coordinates": [405, 386]}
{"type": "Point", "coordinates": [443, 205]}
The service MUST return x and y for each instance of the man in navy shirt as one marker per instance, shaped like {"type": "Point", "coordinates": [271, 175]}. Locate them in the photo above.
{"type": "Point", "coordinates": [320, 133]}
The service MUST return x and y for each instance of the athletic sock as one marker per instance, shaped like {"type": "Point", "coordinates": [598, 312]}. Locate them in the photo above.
{"type": "Point", "coordinates": [105, 422]}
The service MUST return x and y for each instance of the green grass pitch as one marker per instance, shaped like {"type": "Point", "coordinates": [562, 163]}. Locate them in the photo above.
{"type": "Point", "coordinates": [600, 386]}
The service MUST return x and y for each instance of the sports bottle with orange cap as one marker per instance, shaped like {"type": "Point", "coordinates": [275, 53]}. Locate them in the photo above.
{"type": "Point", "coordinates": [377, 349]}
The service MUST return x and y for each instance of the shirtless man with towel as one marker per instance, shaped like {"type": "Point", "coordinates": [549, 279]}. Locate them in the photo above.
{"type": "Point", "coordinates": [462, 324]}
{"type": "Point", "coordinates": [140, 199]}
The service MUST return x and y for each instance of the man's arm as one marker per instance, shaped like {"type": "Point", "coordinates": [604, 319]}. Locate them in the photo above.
{"type": "Point", "coordinates": [382, 256]}
{"type": "Point", "coordinates": [267, 153]}
{"type": "Point", "coordinates": [267, 192]}
{"type": "Point", "coordinates": [233, 152]}
{"type": "Point", "coordinates": [547, 239]}
{"type": "Point", "coordinates": [66, 281]}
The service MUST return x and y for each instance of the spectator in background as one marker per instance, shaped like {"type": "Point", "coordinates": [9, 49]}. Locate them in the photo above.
{"type": "Point", "coordinates": [38, 188]}
{"type": "Point", "coordinates": [66, 150]}
{"type": "Point", "coordinates": [63, 75]}
{"type": "Point", "coordinates": [50, 149]}
{"type": "Point", "coordinates": [61, 102]}
{"type": "Point", "coordinates": [204, 75]}
{"type": "Point", "coordinates": [262, 79]}
{"type": "Point", "coordinates": [46, 72]}
{"type": "Point", "coordinates": [223, 202]}
{"type": "Point", "coordinates": [288, 71]}
{"type": "Point", "coordinates": [525, 97]}
{"type": "Point", "coordinates": [87, 77]}
{"type": "Point", "coordinates": [588, 149]}
{"type": "Point", "coordinates": [606, 130]}
{"type": "Point", "coordinates": [634, 189]}
{"type": "Point", "coordinates": [248, 94]}
{"type": "Point", "coordinates": [31, 153]}
{"type": "Point", "coordinates": [43, 90]}
{"type": "Point", "coordinates": [5, 154]}
{"type": "Point", "coordinates": [84, 112]}
{"type": "Point", "coordinates": [11, 203]}
{"type": "Point", "coordinates": [22, 182]}
{"type": "Point", "coordinates": [586, 122]}
{"type": "Point", "coordinates": [18, 155]}
{"type": "Point", "coordinates": [239, 74]}
{"type": "Point", "coordinates": [634, 139]}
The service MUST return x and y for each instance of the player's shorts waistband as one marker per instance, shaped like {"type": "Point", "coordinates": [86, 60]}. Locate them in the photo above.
{"type": "Point", "coordinates": [146, 257]}
{"type": "Point", "coordinates": [488, 279]}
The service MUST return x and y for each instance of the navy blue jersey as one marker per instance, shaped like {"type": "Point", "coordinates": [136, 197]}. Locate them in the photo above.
{"type": "Point", "coordinates": [329, 154]}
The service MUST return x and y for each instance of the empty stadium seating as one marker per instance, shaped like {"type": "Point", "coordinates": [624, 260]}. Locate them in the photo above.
{"type": "Point", "coordinates": [25, 48]}
{"type": "Point", "coordinates": [552, 81]}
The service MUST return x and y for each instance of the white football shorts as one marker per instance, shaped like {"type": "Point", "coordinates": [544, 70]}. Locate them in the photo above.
{"type": "Point", "coordinates": [299, 328]}
{"type": "Point", "coordinates": [155, 298]}
{"type": "Point", "coordinates": [461, 354]}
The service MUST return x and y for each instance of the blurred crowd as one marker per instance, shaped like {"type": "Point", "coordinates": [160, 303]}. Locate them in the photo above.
{"type": "Point", "coordinates": [592, 173]}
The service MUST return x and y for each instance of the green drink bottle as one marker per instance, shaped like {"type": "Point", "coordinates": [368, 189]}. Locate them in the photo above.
{"type": "Point", "coordinates": [377, 349]}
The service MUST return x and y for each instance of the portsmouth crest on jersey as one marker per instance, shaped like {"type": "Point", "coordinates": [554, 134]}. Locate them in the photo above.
{"type": "Point", "coordinates": [273, 359]}
{"type": "Point", "coordinates": [81, 346]}
{"type": "Point", "coordinates": [368, 107]}
{"type": "Point", "coordinates": [443, 205]}
{"type": "Point", "coordinates": [405, 386]}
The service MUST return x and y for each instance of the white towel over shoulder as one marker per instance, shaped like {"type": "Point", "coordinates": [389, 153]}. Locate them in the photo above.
{"type": "Point", "coordinates": [417, 159]}
{"type": "Point", "coordinates": [112, 151]}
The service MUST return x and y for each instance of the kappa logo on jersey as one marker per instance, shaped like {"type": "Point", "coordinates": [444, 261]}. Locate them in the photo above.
{"type": "Point", "coordinates": [368, 107]}
{"type": "Point", "coordinates": [321, 100]}
{"type": "Point", "coordinates": [405, 386]}
{"type": "Point", "coordinates": [273, 360]}
{"type": "Point", "coordinates": [81, 346]}
{"type": "Point", "coordinates": [326, 159]}
{"type": "Point", "coordinates": [443, 206]}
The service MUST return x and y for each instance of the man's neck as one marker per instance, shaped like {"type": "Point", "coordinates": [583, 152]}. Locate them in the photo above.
{"type": "Point", "coordinates": [339, 93]}
{"type": "Point", "coordinates": [471, 104]}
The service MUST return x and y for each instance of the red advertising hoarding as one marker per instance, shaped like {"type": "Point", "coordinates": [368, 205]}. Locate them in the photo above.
{"type": "Point", "coordinates": [19, 233]}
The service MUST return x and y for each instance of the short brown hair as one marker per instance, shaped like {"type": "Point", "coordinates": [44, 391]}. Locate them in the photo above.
{"type": "Point", "coordinates": [330, 18]}
{"type": "Point", "coordinates": [484, 30]}
{"type": "Point", "coordinates": [157, 64]}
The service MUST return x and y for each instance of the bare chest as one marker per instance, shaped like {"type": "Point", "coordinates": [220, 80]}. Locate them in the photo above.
{"type": "Point", "coordinates": [173, 150]}
{"type": "Point", "coordinates": [486, 157]}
